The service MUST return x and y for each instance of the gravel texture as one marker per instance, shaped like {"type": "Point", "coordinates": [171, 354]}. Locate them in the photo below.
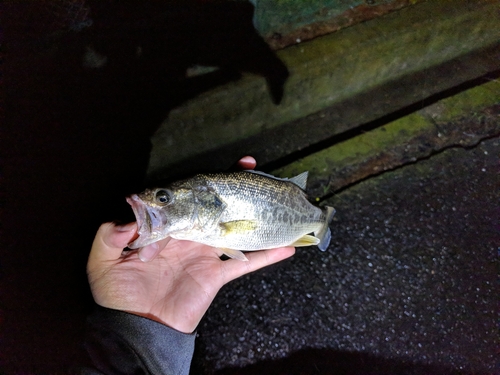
{"type": "Point", "coordinates": [408, 285]}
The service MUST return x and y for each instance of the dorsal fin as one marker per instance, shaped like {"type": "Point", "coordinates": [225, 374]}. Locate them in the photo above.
{"type": "Point", "coordinates": [299, 180]}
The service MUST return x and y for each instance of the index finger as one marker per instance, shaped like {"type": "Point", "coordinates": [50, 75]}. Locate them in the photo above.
{"type": "Point", "coordinates": [256, 260]}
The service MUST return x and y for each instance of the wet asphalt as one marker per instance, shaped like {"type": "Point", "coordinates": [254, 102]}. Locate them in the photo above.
{"type": "Point", "coordinates": [408, 285]}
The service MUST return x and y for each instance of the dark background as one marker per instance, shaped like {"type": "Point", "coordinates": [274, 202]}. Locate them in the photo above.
{"type": "Point", "coordinates": [76, 141]}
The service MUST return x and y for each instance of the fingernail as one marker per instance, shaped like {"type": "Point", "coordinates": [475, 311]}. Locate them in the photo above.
{"type": "Point", "coordinates": [148, 252]}
{"type": "Point", "coordinates": [125, 227]}
{"type": "Point", "coordinates": [247, 159]}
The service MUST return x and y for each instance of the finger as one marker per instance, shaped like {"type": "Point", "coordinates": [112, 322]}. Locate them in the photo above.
{"type": "Point", "coordinates": [256, 260]}
{"type": "Point", "coordinates": [110, 240]}
{"type": "Point", "coordinates": [151, 251]}
{"type": "Point", "coordinates": [247, 162]}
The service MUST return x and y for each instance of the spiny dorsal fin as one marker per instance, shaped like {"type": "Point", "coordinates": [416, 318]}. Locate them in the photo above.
{"type": "Point", "coordinates": [299, 180]}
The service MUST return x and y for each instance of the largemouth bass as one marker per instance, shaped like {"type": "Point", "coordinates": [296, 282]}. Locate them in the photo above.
{"type": "Point", "coordinates": [235, 212]}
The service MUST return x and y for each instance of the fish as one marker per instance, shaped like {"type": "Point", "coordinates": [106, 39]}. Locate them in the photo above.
{"type": "Point", "coordinates": [235, 212]}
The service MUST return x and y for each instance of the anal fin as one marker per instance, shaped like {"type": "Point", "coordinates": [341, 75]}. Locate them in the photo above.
{"type": "Point", "coordinates": [306, 240]}
{"type": "Point", "coordinates": [235, 254]}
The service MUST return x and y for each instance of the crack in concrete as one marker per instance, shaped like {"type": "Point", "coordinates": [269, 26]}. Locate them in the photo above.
{"type": "Point", "coordinates": [418, 160]}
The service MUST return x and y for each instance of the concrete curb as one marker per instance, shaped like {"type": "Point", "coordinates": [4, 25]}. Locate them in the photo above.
{"type": "Point", "coordinates": [406, 140]}
{"type": "Point", "coordinates": [329, 71]}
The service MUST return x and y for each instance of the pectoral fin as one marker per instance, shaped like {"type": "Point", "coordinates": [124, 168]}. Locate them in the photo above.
{"type": "Point", "coordinates": [238, 227]}
{"type": "Point", "coordinates": [235, 254]}
{"type": "Point", "coordinates": [306, 240]}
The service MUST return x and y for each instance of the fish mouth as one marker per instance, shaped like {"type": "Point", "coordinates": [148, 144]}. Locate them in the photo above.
{"type": "Point", "coordinates": [149, 223]}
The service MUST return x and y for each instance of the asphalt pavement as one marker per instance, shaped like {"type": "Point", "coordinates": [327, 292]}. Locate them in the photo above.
{"type": "Point", "coordinates": [408, 285]}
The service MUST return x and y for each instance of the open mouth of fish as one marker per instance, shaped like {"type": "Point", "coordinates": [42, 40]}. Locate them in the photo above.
{"type": "Point", "coordinates": [149, 223]}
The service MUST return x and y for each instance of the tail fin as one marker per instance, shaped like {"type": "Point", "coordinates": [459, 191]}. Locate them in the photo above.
{"type": "Point", "coordinates": [324, 233]}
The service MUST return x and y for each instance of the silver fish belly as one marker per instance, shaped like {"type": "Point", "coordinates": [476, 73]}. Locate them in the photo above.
{"type": "Point", "coordinates": [233, 211]}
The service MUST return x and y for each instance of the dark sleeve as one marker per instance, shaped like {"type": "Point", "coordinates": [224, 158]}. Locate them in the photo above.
{"type": "Point", "coordinates": [122, 343]}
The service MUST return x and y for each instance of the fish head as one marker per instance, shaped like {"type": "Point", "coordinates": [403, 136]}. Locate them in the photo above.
{"type": "Point", "coordinates": [160, 212]}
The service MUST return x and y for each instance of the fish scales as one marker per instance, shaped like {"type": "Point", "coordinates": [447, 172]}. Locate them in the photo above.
{"type": "Point", "coordinates": [276, 205]}
{"type": "Point", "coordinates": [232, 211]}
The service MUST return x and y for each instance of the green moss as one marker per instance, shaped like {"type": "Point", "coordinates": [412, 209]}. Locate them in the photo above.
{"type": "Point", "coordinates": [362, 147]}
{"type": "Point", "coordinates": [402, 131]}
{"type": "Point", "coordinates": [468, 101]}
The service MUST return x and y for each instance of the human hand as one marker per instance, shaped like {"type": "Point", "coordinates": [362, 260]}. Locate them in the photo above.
{"type": "Point", "coordinates": [171, 281]}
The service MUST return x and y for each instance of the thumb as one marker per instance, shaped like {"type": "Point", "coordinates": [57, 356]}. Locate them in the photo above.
{"type": "Point", "coordinates": [149, 252]}
{"type": "Point", "coordinates": [110, 241]}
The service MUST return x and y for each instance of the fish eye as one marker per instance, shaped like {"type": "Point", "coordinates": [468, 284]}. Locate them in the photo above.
{"type": "Point", "coordinates": [162, 196]}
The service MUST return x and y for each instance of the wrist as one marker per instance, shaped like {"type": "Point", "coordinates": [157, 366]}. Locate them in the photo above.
{"type": "Point", "coordinates": [178, 326]}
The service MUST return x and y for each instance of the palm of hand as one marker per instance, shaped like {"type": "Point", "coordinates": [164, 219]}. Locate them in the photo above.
{"type": "Point", "coordinates": [176, 287]}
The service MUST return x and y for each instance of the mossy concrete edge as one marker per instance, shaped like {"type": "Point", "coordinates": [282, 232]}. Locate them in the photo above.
{"type": "Point", "coordinates": [402, 141]}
